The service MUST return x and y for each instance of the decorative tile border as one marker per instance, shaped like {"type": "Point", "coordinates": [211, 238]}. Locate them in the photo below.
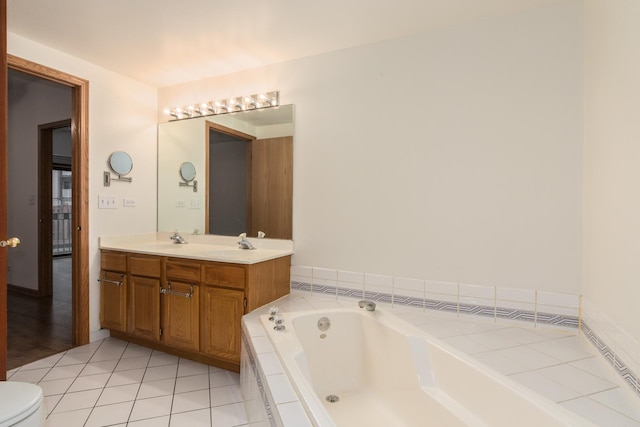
{"type": "Point", "coordinates": [506, 313]}
{"type": "Point", "coordinates": [557, 319]}
{"type": "Point", "coordinates": [515, 314]}
{"type": "Point", "coordinates": [610, 356]}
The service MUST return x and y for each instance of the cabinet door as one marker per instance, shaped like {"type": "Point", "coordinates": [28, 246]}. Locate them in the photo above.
{"type": "Point", "coordinates": [144, 307]}
{"type": "Point", "coordinates": [221, 311]}
{"type": "Point", "coordinates": [180, 315]}
{"type": "Point", "coordinates": [113, 301]}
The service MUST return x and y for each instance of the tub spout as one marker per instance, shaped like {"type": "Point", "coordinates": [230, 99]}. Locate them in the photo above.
{"type": "Point", "coordinates": [369, 305]}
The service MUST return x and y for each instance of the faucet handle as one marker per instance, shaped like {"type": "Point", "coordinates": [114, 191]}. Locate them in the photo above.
{"type": "Point", "coordinates": [242, 236]}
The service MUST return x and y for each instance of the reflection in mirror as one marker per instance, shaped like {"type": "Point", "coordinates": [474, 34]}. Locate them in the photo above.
{"type": "Point", "coordinates": [216, 145]}
{"type": "Point", "coordinates": [188, 173]}
{"type": "Point", "coordinates": [120, 162]}
{"type": "Point", "coordinates": [229, 181]}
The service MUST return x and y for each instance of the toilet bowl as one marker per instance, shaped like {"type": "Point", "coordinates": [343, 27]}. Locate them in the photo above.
{"type": "Point", "coordinates": [21, 405]}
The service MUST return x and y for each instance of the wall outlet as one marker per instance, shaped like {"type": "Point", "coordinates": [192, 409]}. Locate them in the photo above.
{"type": "Point", "coordinates": [107, 201]}
{"type": "Point", "coordinates": [194, 204]}
{"type": "Point", "coordinates": [179, 203]}
{"type": "Point", "coordinates": [129, 202]}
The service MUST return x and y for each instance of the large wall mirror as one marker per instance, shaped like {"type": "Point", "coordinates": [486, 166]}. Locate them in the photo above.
{"type": "Point", "coordinates": [244, 164]}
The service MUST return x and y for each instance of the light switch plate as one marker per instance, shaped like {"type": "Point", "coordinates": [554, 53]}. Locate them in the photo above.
{"type": "Point", "coordinates": [129, 202]}
{"type": "Point", "coordinates": [107, 201]}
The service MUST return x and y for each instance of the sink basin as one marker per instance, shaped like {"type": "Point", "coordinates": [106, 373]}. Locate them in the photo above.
{"type": "Point", "coordinates": [162, 246]}
{"type": "Point", "coordinates": [228, 252]}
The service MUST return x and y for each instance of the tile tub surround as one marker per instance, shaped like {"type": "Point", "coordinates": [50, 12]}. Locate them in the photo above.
{"type": "Point", "coordinates": [539, 308]}
{"type": "Point", "coordinates": [617, 347]}
{"type": "Point", "coordinates": [558, 363]}
{"type": "Point", "coordinates": [520, 305]}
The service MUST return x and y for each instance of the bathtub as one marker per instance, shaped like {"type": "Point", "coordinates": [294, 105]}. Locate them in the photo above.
{"type": "Point", "coordinates": [352, 367]}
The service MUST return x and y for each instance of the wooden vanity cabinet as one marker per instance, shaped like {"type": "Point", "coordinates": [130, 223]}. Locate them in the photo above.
{"type": "Point", "coordinates": [231, 290]}
{"type": "Point", "coordinates": [180, 305]}
{"type": "Point", "coordinates": [113, 291]}
{"type": "Point", "coordinates": [187, 307]}
{"type": "Point", "coordinates": [223, 303]}
{"type": "Point", "coordinates": [144, 296]}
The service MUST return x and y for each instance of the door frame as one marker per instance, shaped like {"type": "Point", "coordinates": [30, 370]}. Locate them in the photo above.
{"type": "Point", "coordinates": [45, 215]}
{"type": "Point", "coordinates": [80, 190]}
{"type": "Point", "coordinates": [3, 189]}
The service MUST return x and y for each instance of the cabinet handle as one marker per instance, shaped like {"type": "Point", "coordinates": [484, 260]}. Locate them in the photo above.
{"type": "Point", "coordinates": [113, 282]}
{"type": "Point", "coordinates": [168, 291]}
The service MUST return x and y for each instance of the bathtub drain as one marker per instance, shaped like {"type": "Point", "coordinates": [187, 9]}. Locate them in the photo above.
{"type": "Point", "coordinates": [332, 398]}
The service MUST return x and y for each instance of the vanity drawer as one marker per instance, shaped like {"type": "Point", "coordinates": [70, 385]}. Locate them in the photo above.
{"type": "Point", "coordinates": [113, 261]}
{"type": "Point", "coordinates": [149, 266]}
{"type": "Point", "coordinates": [189, 271]}
{"type": "Point", "coordinates": [224, 275]}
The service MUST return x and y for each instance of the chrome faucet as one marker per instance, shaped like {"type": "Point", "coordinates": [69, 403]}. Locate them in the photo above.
{"type": "Point", "coordinates": [244, 243]}
{"type": "Point", "coordinates": [178, 239]}
{"type": "Point", "coordinates": [369, 305]}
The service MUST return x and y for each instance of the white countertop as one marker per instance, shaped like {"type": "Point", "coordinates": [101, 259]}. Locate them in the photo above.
{"type": "Point", "coordinates": [202, 247]}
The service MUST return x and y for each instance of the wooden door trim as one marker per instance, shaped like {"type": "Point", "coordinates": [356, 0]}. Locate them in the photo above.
{"type": "Point", "coordinates": [3, 189]}
{"type": "Point", "coordinates": [45, 225]}
{"type": "Point", "coordinates": [79, 188]}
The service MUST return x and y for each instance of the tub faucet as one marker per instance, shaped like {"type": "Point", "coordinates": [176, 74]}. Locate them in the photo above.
{"type": "Point", "coordinates": [244, 243]}
{"type": "Point", "coordinates": [178, 239]}
{"type": "Point", "coordinates": [369, 305]}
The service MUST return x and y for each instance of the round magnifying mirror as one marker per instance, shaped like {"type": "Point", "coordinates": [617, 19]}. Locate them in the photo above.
{"type": "Point", "coordinates": [120, 162]}
{"type": "Point", "coordinates": [187, 171]}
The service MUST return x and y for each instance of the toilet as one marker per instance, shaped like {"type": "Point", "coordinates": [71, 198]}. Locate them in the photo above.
{"type": "Point", "coordinates": [21, 405]}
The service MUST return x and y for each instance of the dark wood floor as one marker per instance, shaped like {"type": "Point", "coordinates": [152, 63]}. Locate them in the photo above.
{"type": "Point", "coordinates": [39, 327]}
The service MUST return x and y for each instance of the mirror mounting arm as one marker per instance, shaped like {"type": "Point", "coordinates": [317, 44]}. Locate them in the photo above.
{"type": "Point", "coordinates": [193, 184]}
{"type": "Point", "coordinates": [107, 178]}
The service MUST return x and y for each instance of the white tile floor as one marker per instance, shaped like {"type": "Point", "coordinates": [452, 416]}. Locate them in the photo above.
{"type": "Point", "coordinates": [113, 383]}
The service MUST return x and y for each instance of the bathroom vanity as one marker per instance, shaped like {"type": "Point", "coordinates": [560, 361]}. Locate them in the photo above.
{"type": "Point", "coordinates": [188, 299]}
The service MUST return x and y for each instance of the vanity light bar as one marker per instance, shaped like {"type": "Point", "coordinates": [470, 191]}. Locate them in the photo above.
{"type": "Point", "coordinates": [226, 106]}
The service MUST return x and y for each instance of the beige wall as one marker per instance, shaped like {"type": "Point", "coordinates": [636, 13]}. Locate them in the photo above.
{"type": "Point", "coordinates": [612, 161]}
{"type": "Point", "coordinates": [453, 155]}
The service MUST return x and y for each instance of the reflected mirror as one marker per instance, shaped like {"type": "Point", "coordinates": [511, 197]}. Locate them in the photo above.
{"type": "Point", "coordinates": [245, 163]}
{"type": "Point", "coordinates": [120, 162]}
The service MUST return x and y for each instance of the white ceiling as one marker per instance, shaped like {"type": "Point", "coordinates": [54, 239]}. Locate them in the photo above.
{"type": "Point", "coordinates": [162, 42]}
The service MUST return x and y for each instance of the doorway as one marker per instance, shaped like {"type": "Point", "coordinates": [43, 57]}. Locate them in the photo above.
{"type": "Point", "coordinates": [229, 184]}
{"type": "Point", "coordinates": [79, 187]}
{"type": "Point", "coordinates": [55, 203]}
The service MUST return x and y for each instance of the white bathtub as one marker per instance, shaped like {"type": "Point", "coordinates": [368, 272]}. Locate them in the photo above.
{"type": "Point", "coordinates": [385, 372]}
